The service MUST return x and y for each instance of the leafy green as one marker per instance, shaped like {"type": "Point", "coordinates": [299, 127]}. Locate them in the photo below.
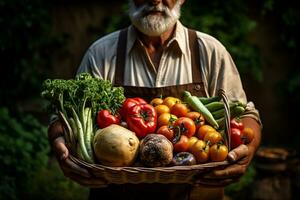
{"type": "Point", "coordinates": [79, 100]}
{"type": "Point", "coordinates": [84, 90]}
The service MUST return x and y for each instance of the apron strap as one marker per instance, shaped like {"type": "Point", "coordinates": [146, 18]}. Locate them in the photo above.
{"type": "Point", "coordinates": [195, 56]}
{"type": "Point", "coordinates": [121, 57]}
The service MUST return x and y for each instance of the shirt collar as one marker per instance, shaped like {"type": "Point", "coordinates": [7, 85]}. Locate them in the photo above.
{"type": "Point", "coordinates": [179, 38]}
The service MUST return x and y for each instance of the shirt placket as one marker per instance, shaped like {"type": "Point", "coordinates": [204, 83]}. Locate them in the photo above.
{"type": "Point", "coordinates": [160, 70]}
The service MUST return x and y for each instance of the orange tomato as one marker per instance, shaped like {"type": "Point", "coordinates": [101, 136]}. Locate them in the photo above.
{"type": "Point", "coordinates": [218, 152]}
{"type": "Point", "coordinates": [160, 109]}
{"type": "Point", "coordinates": [247, 135]}
{"type": "Point", "coordinates": [181, 145]}
{"type": "Point", "coordinates": [213, 137]}
{"type": "Point", "coordinates": [186, 125]}
{"type": "Point", "coordinates": [166, 119]}
{"type": "Point", "coordinates": [201, 151]}
{"type": "Point", "coordinates": [171, 101]}
{"type": "Point", "coordinates": [203, 130]}
{"type": "Point", "coordinates": [167, 131]}
{"type": "Point", "coordinates": [179, 109]}
{"type": "Point", "coordinates": [198, 119]}
{"type": "Point", "coordinates": [156, 101]}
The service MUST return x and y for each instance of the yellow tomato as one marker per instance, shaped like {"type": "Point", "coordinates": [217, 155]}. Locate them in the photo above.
{"type": "Point", "coordinates": [201, 151]}
{"type": "Point", "coordinates": [160, 109]}
{"type": "Point", "coordinates": [213, 137]}
{"type": "Point", "coordinates": [191, 142]}
{"type": "Point", "coordinates": [156, 101]}
{"type": "Point", "coordinates": [166, 119]}
{"type": "Point", "coordinates": [171, 101]}
{"type": "Point", "coordinates": [218, 152]}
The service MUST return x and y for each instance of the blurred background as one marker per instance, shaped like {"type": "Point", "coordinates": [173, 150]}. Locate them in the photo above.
{"type": "Point", "coordinates": [47, 39]}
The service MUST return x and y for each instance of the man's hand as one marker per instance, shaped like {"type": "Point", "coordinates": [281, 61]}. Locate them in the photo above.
{"type": "Point", "coordinates": [69, 168]}
{"type": "Point", "coordinates": [239, 159]}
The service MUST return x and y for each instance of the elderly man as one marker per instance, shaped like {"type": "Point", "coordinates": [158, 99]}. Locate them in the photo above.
{"type": "Point", "coordinates": [158, 55]}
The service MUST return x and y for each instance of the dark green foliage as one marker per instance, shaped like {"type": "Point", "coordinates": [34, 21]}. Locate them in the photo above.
{"type": "Point", "coordinates": [228, 22]}
{"type": "Point", "coordinates": [25, 46]}
{"type": "Point", "coordinates": [24, 150]}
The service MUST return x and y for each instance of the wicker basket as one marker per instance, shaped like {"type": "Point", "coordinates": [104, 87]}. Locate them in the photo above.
{"type": "Point", "coordinates": [134, 174]}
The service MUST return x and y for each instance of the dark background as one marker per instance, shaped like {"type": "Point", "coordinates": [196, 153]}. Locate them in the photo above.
{"type": "Point", "coordinates": [40, 40]}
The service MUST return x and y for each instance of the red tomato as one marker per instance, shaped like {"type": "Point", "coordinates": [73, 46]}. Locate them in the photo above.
{"type": "Point", "coordinates": [179, 109]}
{"type": "Point", "coordinates": [182, 144]}
{"type": "Point", "coordinates": [167, 131]}
{"type": "Point", "coordinates": [186, 126]}
{"type": "Point", "coordinates": [141, 119]}
{"type": "Point", "coordinates": [218, 152]}
{"type": "Point", "coordinates": [105, 118]}
{"type": "Point", "coordinates": [236, 138]}
{"type": "Point", "coordinates": [197, 118]}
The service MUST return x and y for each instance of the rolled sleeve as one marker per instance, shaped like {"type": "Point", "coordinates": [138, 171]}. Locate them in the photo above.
{"type": "Point", "coordinates": [252, 112]}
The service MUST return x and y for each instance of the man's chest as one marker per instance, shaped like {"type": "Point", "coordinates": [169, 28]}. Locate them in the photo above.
{"type": "Point", "coordinates": [170, 69]}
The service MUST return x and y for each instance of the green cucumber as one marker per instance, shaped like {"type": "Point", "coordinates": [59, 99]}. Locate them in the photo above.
{"type": "Point", "coordinates": [198, 106]}
{"type": "Point", "coordinates": [207, 100]}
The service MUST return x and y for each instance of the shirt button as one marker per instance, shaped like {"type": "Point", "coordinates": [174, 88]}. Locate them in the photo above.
{"type": "Point", "coordinates": [197, 87]}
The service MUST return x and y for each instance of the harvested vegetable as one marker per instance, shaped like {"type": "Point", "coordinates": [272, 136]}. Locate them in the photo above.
{"type": "Point", "coordinates": [79, 100]}
{"type": "Point", "coordinates": [156, 151]}
{"type": "Point", "coordinates": [198, 106]}
{"type": "Point", "coordinates": [116, 146]}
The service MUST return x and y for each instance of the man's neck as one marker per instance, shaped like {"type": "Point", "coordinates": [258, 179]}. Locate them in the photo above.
{"type": "Point", "coordinates": [154, 45]}
{"type": "Point", "coordinates": [155, 42]}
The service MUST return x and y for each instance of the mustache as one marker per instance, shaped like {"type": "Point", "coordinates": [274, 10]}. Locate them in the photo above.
{"type": "Point", "coordinates": [146, 9]}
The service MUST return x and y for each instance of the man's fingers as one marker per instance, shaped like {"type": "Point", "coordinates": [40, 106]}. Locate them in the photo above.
{"type": "Point", "coordinates": [69, 167]}
{"type": "Point", "coordinates": [60, 148]}
{"type": "Point", "coordinates": [229, 172]}
{"type": "Point", "coordinates": [238, 153]}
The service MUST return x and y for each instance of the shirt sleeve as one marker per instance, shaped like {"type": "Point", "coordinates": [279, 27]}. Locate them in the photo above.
{"type": "Point", "coordinates": [89, 65]}
{"type": "Point", "coordinates": [224, 75]}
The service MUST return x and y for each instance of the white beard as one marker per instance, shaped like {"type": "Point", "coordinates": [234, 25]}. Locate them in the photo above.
{"type": "Point", "coordinates": [154, 24]}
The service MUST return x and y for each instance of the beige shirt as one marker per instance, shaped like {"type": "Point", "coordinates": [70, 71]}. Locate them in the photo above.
{"type": "Point", "coordinates": [217, 67]}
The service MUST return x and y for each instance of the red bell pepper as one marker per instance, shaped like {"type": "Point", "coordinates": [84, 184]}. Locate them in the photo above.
{"type": "Point", "coordinates": [235, 123]}
{"type": "Point", "coordinates": [129, 102]}
{"type": "Point", "coordinates": [142, 119]}
{"type": "Point", "coordinates": [105, 118]}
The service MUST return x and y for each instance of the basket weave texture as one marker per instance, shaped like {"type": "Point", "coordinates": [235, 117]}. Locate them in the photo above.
{"type": "Point", "coordinates": [140, 174]}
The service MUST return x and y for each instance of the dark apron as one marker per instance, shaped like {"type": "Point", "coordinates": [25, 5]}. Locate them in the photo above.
{"type": "Point", "coordinates": [158, 191]}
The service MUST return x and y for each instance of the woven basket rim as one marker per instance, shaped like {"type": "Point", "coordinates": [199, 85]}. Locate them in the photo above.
{"type": "Point", "coordinates": [139, 168]}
